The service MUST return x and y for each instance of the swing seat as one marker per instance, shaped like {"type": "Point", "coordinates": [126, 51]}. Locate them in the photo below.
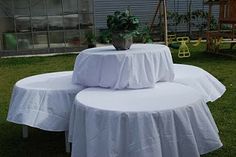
{"type": "Point", "coordinates": [174, 45]}
{"type": "Point", "coordinates": [181, 46]}
{"type": "Point", "coordinates": [183, 50]}
{"type": "Point", "coordinates": [171, 38]}
{"type": "Point", "coordinates": [218, 41]}
{"type": "Point", "coordinates": [183, 53]}
{"type": "Point", "coordinates": [198, 42]}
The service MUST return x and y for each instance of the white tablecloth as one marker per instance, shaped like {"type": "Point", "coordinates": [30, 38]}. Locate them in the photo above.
{"type": "Point", "coordinates": [170, 120]}
{"type": "Point", "coordinates": [139, 67]}
{"type": "Point", "coordinates": [43, 101]}
{"type": "Point", "coordinates": [199, 79]}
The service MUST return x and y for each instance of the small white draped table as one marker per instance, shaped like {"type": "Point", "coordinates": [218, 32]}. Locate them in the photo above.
{"type": "Point", "coordinates": [169, 120]}
{"type": "Point", "coordinates": [199, 79]}
{"type": "Point", "coordinates": [43, 101]}
{"type": "Point", "coordinates": [139, 67]}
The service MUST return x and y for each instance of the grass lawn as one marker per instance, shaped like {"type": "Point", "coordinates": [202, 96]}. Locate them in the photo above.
{"type": "Point", "coordinates": [48, 144]}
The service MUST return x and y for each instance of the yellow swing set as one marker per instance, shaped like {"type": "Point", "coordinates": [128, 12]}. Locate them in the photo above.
{"type": "Point", "coordinates": [180, 44]}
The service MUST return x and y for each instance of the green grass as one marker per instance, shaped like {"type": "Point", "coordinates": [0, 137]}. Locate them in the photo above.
{"type": "Point", "coordinates": [48, 144]}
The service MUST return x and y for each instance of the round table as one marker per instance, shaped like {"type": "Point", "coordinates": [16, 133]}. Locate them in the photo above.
{"type": "Point", "coordinates": [43, 101]}
{"type": "Point", "coordinates": [199, 79]}
{"type": "Point", "coordinates": [139, 67]}
{"type": "Point", "coordinates": [168, 120]}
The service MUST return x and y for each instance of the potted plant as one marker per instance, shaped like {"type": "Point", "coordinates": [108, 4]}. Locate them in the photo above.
{"type": "Point", "coordinates": [91, 39]}
{"type": "Point", "coordinates": [123, 27]}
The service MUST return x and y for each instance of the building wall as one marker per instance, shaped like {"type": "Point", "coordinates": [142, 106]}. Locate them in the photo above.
{"type": "Point", "coordinates": [145, 10]}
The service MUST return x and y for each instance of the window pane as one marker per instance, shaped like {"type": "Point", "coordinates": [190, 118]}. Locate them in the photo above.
{"type": "Point", "coordinates": [86, 6]}
{"type": "Point", "coordinates": [72, 39]}
{"type": "Point", "coordinates": [6, 8]}
{"type": "Point", "coordinates": [7, 24]}
{"type": "Point", "coordinates": [38, 7]}
{"type": "Point", "coordinates": [54, 7]}
{"type": "Point", "coordinates": [86, 21]}
{"type": "Point", "coordinates": [56, 39]}
{"type": "Point", "coordinates": [55, 22]}
{"type": "Point", "coordinates": [70, 6]}
{"type": "Point", "coordinates": [71, 21]}
{"type": "Point", "coordinates": [24, 41]}
{"type": "Point", "coordinates": [40, 40]}
{"type": "Point", "coordinates": [23, 24]}
{"type": "Point", "coordinates": [39, 23]}
{"type": "Point", "coordinates": [21, 7]}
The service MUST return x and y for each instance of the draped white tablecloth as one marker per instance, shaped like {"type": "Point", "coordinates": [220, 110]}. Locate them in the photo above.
{"type": "Point", "coordinates": [139, 67]}
{"type": "Point", "coordinates": [199, 79]}
{"type": "Point", "coordinates": [169, 120]}
{"type": "Point", "coordinates": [43, 101]}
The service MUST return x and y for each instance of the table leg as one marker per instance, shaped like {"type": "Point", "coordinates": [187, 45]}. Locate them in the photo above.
{"type": "Point", "coordinates": [25, 131]}
{"type": "Point", "coordinates": [67, 144]}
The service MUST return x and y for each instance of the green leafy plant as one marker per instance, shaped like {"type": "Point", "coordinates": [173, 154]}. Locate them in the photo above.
{"type": "Point", "coordinates": [91, 39]}
{"type": "Point", "coordinates": [105, 36]}
{"type": "Point", "coordinates": [144, 35]}
{"type": "Point", "coordinates": [197, 18]}
{"type": "Point", "coordinates": [123, 24]}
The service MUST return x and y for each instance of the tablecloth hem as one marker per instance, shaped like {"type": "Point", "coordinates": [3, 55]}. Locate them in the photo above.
{"type": "Point", "coordinates": [46, 121]}
{"type": "Point", "coordinates": [215, 97]}
{"type": "Point", "coordinates": [211, 149]}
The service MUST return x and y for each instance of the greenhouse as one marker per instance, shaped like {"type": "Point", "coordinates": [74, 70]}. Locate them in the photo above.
{"type": "Point", "coordinates": [44, 26]}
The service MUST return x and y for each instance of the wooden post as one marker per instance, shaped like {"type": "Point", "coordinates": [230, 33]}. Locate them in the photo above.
{"type": "Point", "coordinates": [190, 18]}
{"type": "Point", "coordinates": [161, 21]}
{"type": "Point", "coordinates": [165, 23]}
{"type": "Point", "coordinates": [209, 27]}
{"type": "Point", "coordinates": [209, 17]}
{"type": "Point", "coordinates": [154, 17]}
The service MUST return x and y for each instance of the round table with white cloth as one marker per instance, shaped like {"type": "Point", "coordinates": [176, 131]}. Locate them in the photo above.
{"type": "Point", "coordinates": [43, 101]}
{"type": "Point", "coordinates": [199, 79]}
{"type": "Point", "coordinates": [139, 67]}
{"type": "Point", "coordinates": [168, 120]}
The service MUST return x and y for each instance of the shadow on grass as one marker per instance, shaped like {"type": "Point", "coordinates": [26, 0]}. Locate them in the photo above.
{"type": "Point", "coordinates": [38, 144]}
